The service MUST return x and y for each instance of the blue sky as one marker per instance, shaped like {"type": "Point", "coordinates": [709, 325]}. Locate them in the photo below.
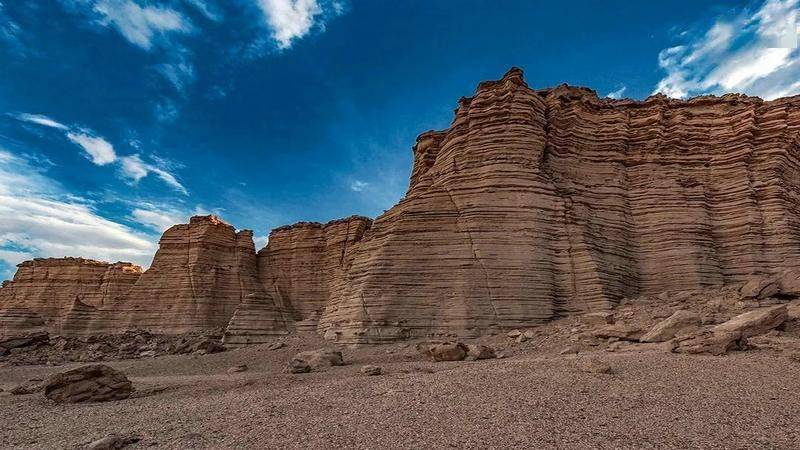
{"type": "Point", "coordinates": [119, 118]}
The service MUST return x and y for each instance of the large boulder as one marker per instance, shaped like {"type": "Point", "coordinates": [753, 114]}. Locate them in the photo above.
{"type": "Point", "coordinates": [680, 321]}
{"type": "Point", "coordinates": [443, 351]}
{"type": "Point", "coordinates": [480, 351]}
{"type": "Point", "coordinates": [733, 334]}
{"type": "Point", "coordinates": [760, 288]}
{"type": "Point", "coordinates": [790, 283]}
{"type": "Point", "coordinates": [315, 360]}
{"type": "Point", "coordinates": [92, 383]}
{"type": "Point", "coordinates": [754, 322]}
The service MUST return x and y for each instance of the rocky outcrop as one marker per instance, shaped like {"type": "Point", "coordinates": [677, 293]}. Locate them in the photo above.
{"type": "Point", "coordinates": [305, 265]}
{"type": "Point", "coordinates": [92, 383]}
{"type": "Point", "coordinates": [200, 274]}
{"type": "Point", "coordinates": [537, 204]}
{"type": "Point", "coordinates": [532, 205]}
{"type": "Point", "coordinates": [16, 321]}
{"type": "Point", "coordinates": [49, 287]}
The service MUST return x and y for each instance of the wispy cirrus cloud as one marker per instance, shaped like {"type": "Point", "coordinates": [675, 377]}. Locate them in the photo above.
{"type": "Point", "coordinates": [141, 25]}
{"type": "Point", "coordinates": [10, 32]}
{"type": "Point", "coordinates": [134, 169]}
{"type": "Point", "coordinates": [618, 93]}
{"type": "Point", "coordinates": [753, 52]}
{"type": "Point", "coordinates": [102, 153]}
{"type": "Point", "coordinates": [40, 119]}
{"type": "Point", "coordinates": [99, 150]}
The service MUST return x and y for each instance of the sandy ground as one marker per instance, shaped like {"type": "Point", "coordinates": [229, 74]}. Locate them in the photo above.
{"type": "Point", "coordinates": [531, 398]}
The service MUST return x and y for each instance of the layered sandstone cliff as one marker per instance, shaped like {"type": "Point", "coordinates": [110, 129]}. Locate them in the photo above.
{"type": "Point", "coordinates": [200, 274]}
{"type": "Point", "coordinates": [533, 204]}
{"type": "Point", "coordinates": [49, 287]}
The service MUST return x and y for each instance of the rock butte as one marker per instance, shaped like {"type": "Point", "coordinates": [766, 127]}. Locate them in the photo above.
{"type": "Point", "coordinates": [534, 204]}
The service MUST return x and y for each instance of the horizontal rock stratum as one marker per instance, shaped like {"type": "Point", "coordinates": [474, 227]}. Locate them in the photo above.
{"type": "Point", "coordinates": [533, 204]}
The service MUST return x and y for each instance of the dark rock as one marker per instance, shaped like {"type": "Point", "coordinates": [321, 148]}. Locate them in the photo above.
{"type": "Point", "coordinates": [92, 383]}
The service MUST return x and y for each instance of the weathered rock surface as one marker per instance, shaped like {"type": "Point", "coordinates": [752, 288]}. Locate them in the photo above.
{"type": "Point", "coordinates": [48, 287]}
{"type": "Point", "coordinates": [443, 351]}
{"type": "Point", "coordinates": [92, 383]}
{"type": "Point", "coordinates": [199, 276]}
{"type": "Point", "coordinates": [305, 265]}
{"type": "Point", "coordinates": [19, 321]}
{"type": "Point", "coordinates": [532, 205]}
{"type": "Point", "coordinates": [314, 360]}
{"type": "Point", "coordinates": [667, 329]}
{"type": "Point", "coordinates": [480, 351]}
{"type": "Point", "coordinates": [113, 442]}
{"type": "Point", "coordinates": [733, 334]}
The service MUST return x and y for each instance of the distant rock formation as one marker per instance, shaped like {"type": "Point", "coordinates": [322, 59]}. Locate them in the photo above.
{"type": "Point", "coordinates": [533, 204]}
{"type": "Point", "coordinates": [49, 287]}
{"type": "Point", "coordinates": [200, 274]}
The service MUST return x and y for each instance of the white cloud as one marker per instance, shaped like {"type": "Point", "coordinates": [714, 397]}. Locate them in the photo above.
{"type": "Point", "coordinates": [10, 32]}
{"type": "Point", "coordinates": [40, 219]}
{"type": "Point", "coordinates": [40, 119]}
{"type": "Point", "coordinates": [134, 169]}
{"type": "Point", "coordinates": [157, 220]}
{"type": "Point", "coordinates": [358, 185]}
{"type": "Point", "coordinates": [179, 71]}
{"type": "Point", "coordinates": [755, 52]}
{"type": "Point", "coordinates": [99, 149]}
{"type": "Point", "coordinates": [618, 93]}
{"type": "Point", "coordinates": [207, 9]}
{"type": "Point", "coordinates": [289, 20]}
{"type": "Point", "coordinates": [260, 242]}
{"type": "Point", "coordinates": [141, 25]}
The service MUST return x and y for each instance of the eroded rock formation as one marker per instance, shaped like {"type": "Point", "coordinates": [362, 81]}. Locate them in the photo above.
{"type": "Point", "coordinates": [49, 287]}
{"type": "Point", "coordinates": [200, 274]}
{"type": "Point", "coordinates": [533, 204]}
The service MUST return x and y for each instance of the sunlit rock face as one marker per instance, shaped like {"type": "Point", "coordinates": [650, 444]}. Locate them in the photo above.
{"type": "Point", "coordinates": [536, 204]}
{"type": "Point", "coordinates": [48, 287]}
{"type": "Point", "coordinates": [199, 275]}
{"type": "Point", "coordinates": [533, 204]}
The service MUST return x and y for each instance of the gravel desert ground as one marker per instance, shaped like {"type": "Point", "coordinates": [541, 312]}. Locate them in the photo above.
{"type": "Point", "coordinates": [533, 397]}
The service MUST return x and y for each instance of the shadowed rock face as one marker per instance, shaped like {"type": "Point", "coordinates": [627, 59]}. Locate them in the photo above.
{"type": "Point", "coordinates": [533, 204]}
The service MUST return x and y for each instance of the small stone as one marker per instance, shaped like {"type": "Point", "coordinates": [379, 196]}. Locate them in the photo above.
{"type": "Point", "coordinates": [315, 359]}
{"type": "Point", "coordinates": [31, 386]}
{"type": "Point", "coordinates": [529, 334]}
{"type": "Point", "coordinates": [276, 345]}
{"type": "Point", "coordinates": [372, 370]}
{"type": "Point", "coordinates": [239, 368]}
{"type": "Point", "coordinates": [112, 442]}
{"type": "Point", "coordinates": [595, 366]}
{"type": "Point", "coordinates": [299, 366]}
{"type": "Point", "coordinates": [443, 351]}
{"type": "Point", "coordinates": [570, 350]}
